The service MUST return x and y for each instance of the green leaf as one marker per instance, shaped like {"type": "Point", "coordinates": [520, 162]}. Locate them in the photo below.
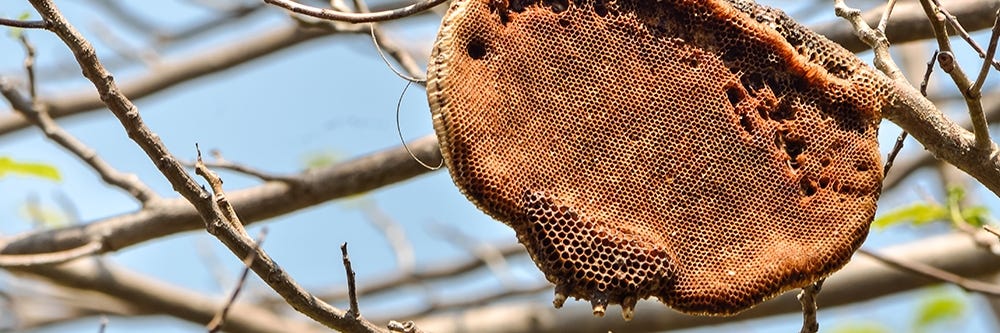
{"type": "Point", "coordinates": [44, 215]}
{"type": "Point", "coordinates": [939, 308]}
{"type": "Point", "coordinates": [17, 32]}
{"type": "Point", "coordinates": [41, 170]}
{"type": "Point", "coordinates": [976, 215]}
{"type": "Point", "coordinates": [321, 159]}
{"type": "Point", "coordinates": [916, 214]}
{"type": "Point", "coordinates": [860, 327]}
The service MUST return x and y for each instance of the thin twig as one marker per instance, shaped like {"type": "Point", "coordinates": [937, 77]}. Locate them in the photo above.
{"type": "Point", "coordinates": [946, 59]}
{"type": "Point", "coordinates": [335, 15]}
{"type": "Point", "coordinates": [50, 258]}
{"type": "Point", "coordinates": [977, 88]}
{"type": "Point", "coordinates": [29, 67]}
{"type": "Point", "coordinates": [24, 24]}
{"type": "Point", "coordinates": [874, 38]}
{"type": "Point", "coordinates": [927, 73]}
{"type": "Point", "coordinates": [352, 290]}
{"type": "Point", "coordinates": [40, 117]}
{"type": "Point", "coordinates": [992, 230]}
{"type": "Point", "coordinates": [960, 31]}
{"type": "Point", "coordinates": [404, 327]}
{"type": "Point", "coordinates": [884, 20]}
{"type": "Point", "coordinates": [808, 300]}
{"type": "Point", "coordinates": [491, 256]}
{"type": "Point", "coordinates": [984, 288]}
{"type": "Point", "coordinates": [104, 324]}
{"type": "Point", "coordinates": [478, 300]}
{"type": "Point", "coordinates": [393, 232]}
{"type": "Point", "coordinates": [222, 163]}
{"type": "Point", "coordinates": [220, 317]}
{"type": "Point", "coordinates": [892, 154]}
{"type": "Point", "coordinates": [217, 220]}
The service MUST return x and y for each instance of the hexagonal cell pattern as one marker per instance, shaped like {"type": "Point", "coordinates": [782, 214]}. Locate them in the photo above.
{"type": "Point", "coordinates": [711, 154]}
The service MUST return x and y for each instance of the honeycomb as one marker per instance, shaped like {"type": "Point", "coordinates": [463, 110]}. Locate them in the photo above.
{"type": "Point", "coordinates": [710, 154]}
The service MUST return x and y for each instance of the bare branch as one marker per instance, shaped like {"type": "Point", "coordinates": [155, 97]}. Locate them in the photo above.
{"type": "Point", "coordinates": [394, 234]}
{"type": "Point", "coordinates": [171, 216]}
{"type": "Point", "coordinates": [170, 74]}
{"type": "Point", "coordinates": [24, 24]}
{"type": "Point", "coordinates": [937, 274]}
{"type": "Point", "coordinates": [50, 258]}
{"type": "Point", "coordinates": [219, 219]}
{"type": "Point", "coordinates": [352, 291]}
{"type": "Point", "coordinates": [38, 116]}
{"type": "Point", "coordinates": [892, 154]}
{"type": "Point", "coordinates": [947, 61]}
{"type": "Point", "coordinates": [862, 279]}
{"type": "Point", "coordinates": [150, 295]}
{"type": "Point", "coordinates": [908, 22]}
{"type": "Point", "coordinates": [335, 15]}
{"type": "Point", "coordinates": [220, 317]}
{"type": "Point", "coordinates": [991, 50]}
{"type": "Point", "coordinates": [808, 300]}
{"type": "Point", "coordinates": [960, 30]}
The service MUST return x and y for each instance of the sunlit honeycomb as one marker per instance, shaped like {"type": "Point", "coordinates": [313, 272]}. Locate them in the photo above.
{"type": "Point", "coordinates": [706, 153]}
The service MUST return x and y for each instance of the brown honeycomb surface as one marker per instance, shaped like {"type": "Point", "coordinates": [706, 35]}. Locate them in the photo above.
{"type": "Point", "coordinates": [711, 154]}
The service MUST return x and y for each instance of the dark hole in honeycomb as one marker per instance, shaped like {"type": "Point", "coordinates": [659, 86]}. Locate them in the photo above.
{"type": "Point", "coordinates": [824, 182]}
{"type": "Point", "coordinates": [793, 146]}
{"type": "Point", "coordinates": [762, 111]}
{"type": "Point", "coordinates": [746, 123]}
{"type": "Point", "coordinates": [734, 95]}
{"type": "Point", "coordinates": [600, 8]}
{"type": "Point", "coordinates": [784, 111]}
{"type": "Point", "coordinates": [752, 82]}
{"type": "Point", "coordinates": [476, 49]}
{"type": "Point", "coordinates": [557, 6]}
{"type": "Point", "coordinates": [733, 53]}
{"type": "Point", "coordinates": [693, 61]}
{"type": "Point", "coordinates": [862, 167]}
{"type": "Point", "coordinates": [807, 186]}
{"type": "Point", "coordinates": [564, 23]}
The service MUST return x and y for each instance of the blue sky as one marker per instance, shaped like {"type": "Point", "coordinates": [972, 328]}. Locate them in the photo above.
{"type": "Point", "coordinates": [331, 96]}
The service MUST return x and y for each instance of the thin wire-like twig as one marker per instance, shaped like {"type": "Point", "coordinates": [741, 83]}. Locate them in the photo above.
{"type": "Point", "coordinates": [399, 130]}
{"type": "Point", "coordinates": [220, 317]}
{"type": "Point", "coordinates": [335, 15]}
{"type": "Point", "coordinates": [352, 290]}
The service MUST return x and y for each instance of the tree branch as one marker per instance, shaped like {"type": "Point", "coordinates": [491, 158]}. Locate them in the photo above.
{"type": "Point", "coordinates": [862, 279]}
{"type": "Point", "coordinates": [335, 15]}
{"type": "Point", "coordinates": [908, 22]}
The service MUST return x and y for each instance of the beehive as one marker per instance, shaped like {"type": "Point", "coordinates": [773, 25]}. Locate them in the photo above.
{"type": "Point", "coordinates": [711, 154]}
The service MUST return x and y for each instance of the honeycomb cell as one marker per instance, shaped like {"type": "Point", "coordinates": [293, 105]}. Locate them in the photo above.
{"type": "Point", "coordinates": [710, 154]}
